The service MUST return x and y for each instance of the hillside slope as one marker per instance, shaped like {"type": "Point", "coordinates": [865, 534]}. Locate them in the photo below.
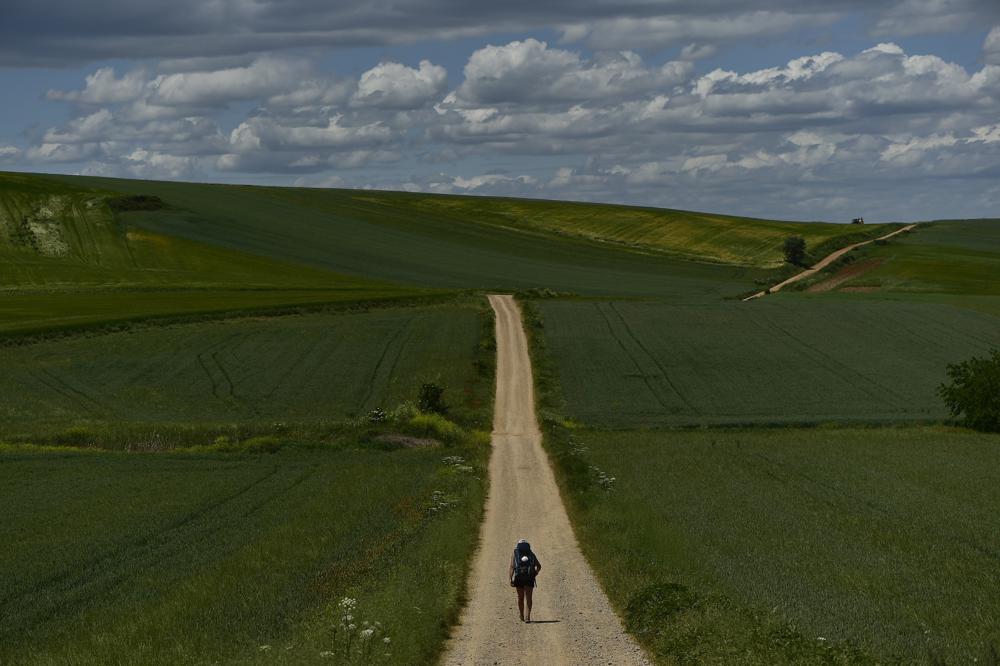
{"type": "Point", "coordinates": [54, 234]}
{"type": "Point", "coordinates": [420, 240]}
{"type": "Point", "coordinates": [474, 242]}
{"type": "Point", "coordinates": [728, 239]}
{"type": "Point", "coordinates": [946, 257]}
{"type": "Point", "coordinates": [67, 259]}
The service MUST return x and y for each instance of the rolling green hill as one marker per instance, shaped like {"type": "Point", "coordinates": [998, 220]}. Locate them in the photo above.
{"type": "Point", "coordinates": [56, 235]}
{"type": "Point", "coordinates": [60, 229]}
{"type": "Point", "coordinates": [944, 257]}
{"type": "Point", "coordinates": [67, 260]}
{"type": "Point", "coordinates": [727, 239]}
{"type": "Point", "coordinates": [644, 347]}
{"type": "Point", "coordinates": [385, 236]}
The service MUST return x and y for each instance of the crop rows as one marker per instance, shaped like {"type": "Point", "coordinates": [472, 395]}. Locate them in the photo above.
{"type": "Point", "coordinates": [184, 558]}
{"type": "Point", "coordinates": [308, 368]}
{"type": "Point", "coordinates": [629, 364]}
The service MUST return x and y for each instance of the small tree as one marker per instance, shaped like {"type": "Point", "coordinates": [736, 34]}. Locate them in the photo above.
{"type": "Point", "coordinates": [795, 250]}
{"type": "Point", "coordinates": [431, 399]}
{"type": "Point", "coordinates": [974, 391]}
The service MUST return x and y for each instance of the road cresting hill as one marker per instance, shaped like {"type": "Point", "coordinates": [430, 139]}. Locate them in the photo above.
{"type": "Point", "coordinates": [573, 622]}
{"type": "Point", "coordinates": [824, 262]}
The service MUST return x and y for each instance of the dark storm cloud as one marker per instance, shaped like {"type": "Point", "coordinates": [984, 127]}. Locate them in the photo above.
{"type": "Point", "coordinates": [54, 32]}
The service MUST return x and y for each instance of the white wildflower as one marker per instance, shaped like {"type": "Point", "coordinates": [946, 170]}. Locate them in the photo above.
{"type": "Point", "coordinates": [367, 634]}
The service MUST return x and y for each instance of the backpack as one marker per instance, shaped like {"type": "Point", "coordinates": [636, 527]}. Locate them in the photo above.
{"type": "Point", "coordinates": [524, 572]}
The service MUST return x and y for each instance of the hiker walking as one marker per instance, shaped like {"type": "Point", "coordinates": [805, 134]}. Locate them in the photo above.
{"type": "Point", "coordinates": [524, 567]}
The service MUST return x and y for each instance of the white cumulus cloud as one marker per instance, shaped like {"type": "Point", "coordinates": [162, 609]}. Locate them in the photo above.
{"type": "Point", "coordinates": [103, 87]}
{"type": "Point", "coordinates": [396, 86]}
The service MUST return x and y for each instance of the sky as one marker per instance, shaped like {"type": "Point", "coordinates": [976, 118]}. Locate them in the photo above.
{"type": "Point", "coordinates": [804, 109]}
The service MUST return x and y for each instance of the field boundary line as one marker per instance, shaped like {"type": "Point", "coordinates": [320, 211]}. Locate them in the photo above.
{"type": "Point", "coordinates": [824, 262]}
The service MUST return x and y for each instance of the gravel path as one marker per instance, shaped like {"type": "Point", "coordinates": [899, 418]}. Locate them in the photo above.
{"type": "Point", "coordinates": [572, 621]}
{"type": "Point", "coordinates": [824, 262]}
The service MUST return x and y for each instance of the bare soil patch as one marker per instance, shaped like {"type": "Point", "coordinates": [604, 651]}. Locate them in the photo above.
{"type": "Point", "coordinates": [846, 274]}
{"type": "Point", "coordinates": [406, 441]}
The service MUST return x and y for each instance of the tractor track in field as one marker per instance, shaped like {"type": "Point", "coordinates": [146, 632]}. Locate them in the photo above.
{"type": "Point", "coordinates": [572, 620]}
{"type": "Point", "coordinates": [645, 378]}
{"type": "Point", "coordinates": [153, 547]}
{"type": "Point", "coordinates": [212, 352]}
{"type": "Point", "coordinates": [87, 581]}
{"type": "Point", "coordinates": [63, 388]}
{"type": "Point", "coordinates": [397, 352]}
{"type": "Point", "coordinates": [837, 368]}
{"type": "Point", "coordinates": [654, 360]}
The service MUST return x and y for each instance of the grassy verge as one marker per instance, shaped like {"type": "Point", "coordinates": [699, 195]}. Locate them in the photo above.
{"type": "Point", "coordinates": [823, 546]}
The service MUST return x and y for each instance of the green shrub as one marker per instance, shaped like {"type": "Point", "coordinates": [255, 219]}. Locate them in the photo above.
{"type": "Point", "coordinates": [135, 202]}
{"type": "Point", "coordinates": [974, 391]}
{"type": "Point", "coordinates": [431, 399]}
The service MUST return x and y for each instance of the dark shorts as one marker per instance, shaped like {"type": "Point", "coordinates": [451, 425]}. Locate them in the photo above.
{"type": "Point", "coordinates": [530, 583]}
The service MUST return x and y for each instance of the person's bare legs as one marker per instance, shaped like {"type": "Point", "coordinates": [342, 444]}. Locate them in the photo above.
{"type": "Point", "coordinates": [520, 602]}
{"type": "Point", "coordinates": [528, 589]}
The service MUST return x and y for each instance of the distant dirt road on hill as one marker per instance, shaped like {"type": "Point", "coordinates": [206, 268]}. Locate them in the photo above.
{"type": "Point", "coordinates": [572, 620]}
{"type": "Point", "coordinates": [826, 261]}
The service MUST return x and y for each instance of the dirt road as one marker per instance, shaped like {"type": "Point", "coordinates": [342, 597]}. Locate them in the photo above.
{"type": "Point", "coordinates": [824, 262]}
{"type": "Point", "coordinates": [572, 621]}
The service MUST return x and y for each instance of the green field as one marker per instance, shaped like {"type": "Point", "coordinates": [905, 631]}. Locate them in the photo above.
{"type": "Point", "coordinates": [796, 546]}
{"type": "Point", "coordinates": [67, 260]}
{"type": "Point", "coordinates": [318, 367]}
{"type": "Point", "coordinates": [778, 360]}
{"type": "Point", "coordinates": [268, 495]}
{"type": "Point", "coordinates": [685, 234]}
{"type": "Point", "coordinates": [946, 257]}
{"type": "Point", "coordinates": [463, 242]}
{"type": "Point", "coordinates": [185, 558]}
{"type": "Point", "coordinates": [188, 442]}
